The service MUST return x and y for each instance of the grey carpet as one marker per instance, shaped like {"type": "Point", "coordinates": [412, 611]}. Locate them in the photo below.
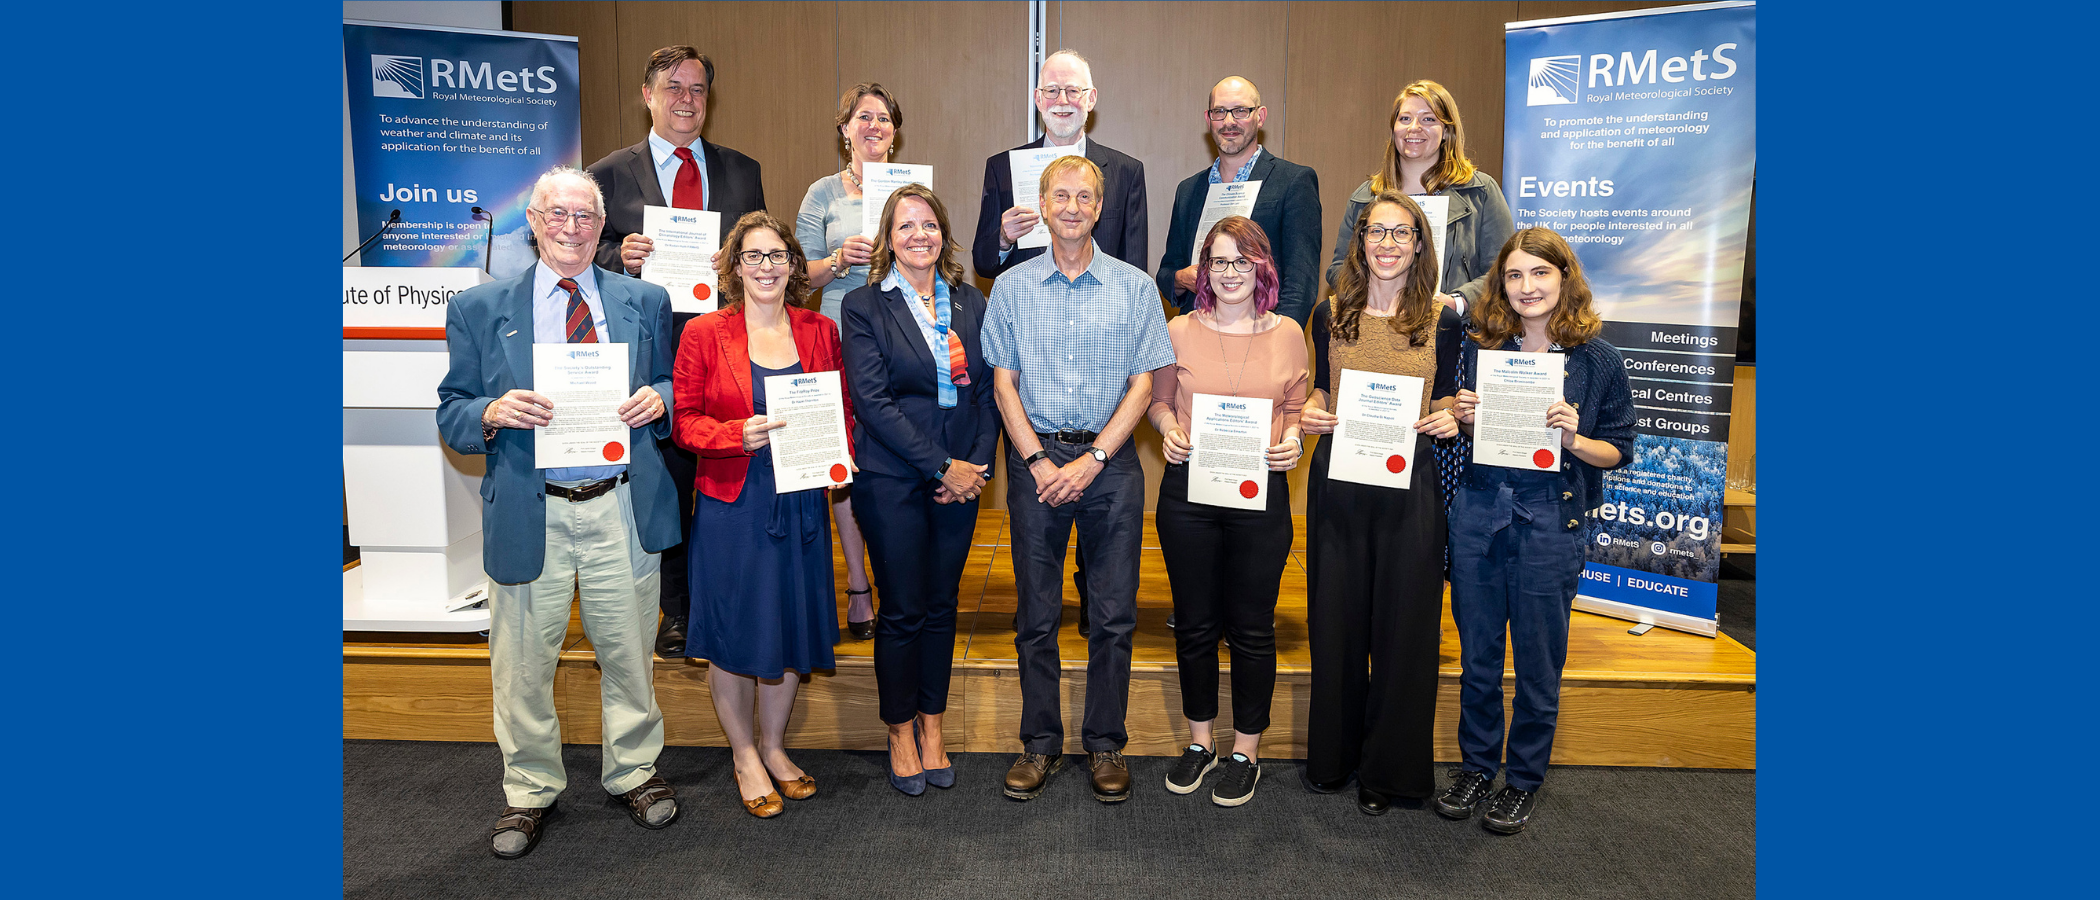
{"type": "Point", "coordinates": [416, 817]}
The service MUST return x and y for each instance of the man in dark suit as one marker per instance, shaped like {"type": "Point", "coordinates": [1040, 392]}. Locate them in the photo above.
{"type": "Point", "coordinates": [1065, 96]}
{"type": "Point", "coordinates": [673, 167]}
{"type": "Point", "coordinates": [1287, 207]}
{"type": "Point", "coordinates": [549, 534]}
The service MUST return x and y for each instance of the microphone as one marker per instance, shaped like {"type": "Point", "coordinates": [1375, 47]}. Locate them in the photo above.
{"type": "Point", "coordinates": [488, 244]}
{"type": "Point", "coordinates": [391, 218]}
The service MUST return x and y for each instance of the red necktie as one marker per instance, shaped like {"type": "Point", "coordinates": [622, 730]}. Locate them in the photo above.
{"type": "Point", "coordinates": [685, 187]}
{"type": "Point", "coordinates": [581, 329]}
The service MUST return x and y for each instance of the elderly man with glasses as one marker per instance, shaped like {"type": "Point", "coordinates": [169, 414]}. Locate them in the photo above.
{"type": "Point", "coordinates": [1287, 206]}
{"type": "Point", "coordinates": [589, 532]}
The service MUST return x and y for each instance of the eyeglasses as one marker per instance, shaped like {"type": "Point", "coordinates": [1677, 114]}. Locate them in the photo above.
{"type": "Point", "coordinates": [1051, 93]}
{"type": "Point", "coordinates": [1241, 265]}
{"type": "Point", "coordinates": [1402, 235]}
{"type": "Point", "coordinates": [758, 257]}
{"type": "Point", "coordinates": [1428, 120]}
{"type": "Point", "coordinates": [1238, 113]}
{"type": "Point", "coordinates": [558, 217]}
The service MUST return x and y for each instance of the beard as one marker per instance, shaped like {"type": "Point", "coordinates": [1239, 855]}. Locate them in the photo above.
{"type": "Point", "coordinates": [1064, 132]}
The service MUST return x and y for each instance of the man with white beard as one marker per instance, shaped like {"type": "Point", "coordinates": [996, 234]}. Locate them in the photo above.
{"type": "Point", "coordinates": [1064, 95]}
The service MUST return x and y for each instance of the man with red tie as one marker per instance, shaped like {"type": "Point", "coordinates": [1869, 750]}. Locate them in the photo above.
{"type": "Point", "coordinates": [592, 532]}
{"type": "Point", "coordinates": [673, 167]}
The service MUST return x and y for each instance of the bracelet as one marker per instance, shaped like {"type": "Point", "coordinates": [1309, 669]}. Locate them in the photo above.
{"type": "Point", "coordinates": [838, 256]}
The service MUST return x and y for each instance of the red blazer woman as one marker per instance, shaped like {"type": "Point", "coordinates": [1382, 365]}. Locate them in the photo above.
{"type": "Point", "coordinates": [711, 382]}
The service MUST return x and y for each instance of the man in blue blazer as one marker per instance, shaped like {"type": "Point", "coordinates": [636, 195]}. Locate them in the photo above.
{"type": "Point", "coordinates": [1287, 208]}
{"type": "Point", "coordinates": [593, 532]}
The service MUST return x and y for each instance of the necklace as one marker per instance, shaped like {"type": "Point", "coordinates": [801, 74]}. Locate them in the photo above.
{"type": "Point", "coordinates": [1233, 379]}
{"type": "Point", "coordinates": [848, 173]}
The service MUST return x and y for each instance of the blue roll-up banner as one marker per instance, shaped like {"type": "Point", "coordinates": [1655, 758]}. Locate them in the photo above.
{"type": "Point", "coordinates": [446, 119]}
{"type": "Point", "coordinates": [1634, 135]}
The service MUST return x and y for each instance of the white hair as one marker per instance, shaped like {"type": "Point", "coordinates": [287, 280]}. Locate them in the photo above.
{"type": "Point", "coordinates": [1086, 68]}
{"type": "Point", "coordinates": [546, 182]}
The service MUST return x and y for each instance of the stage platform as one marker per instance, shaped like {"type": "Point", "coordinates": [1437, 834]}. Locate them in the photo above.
{"type": "Point", "coordinates": [1660, 699]}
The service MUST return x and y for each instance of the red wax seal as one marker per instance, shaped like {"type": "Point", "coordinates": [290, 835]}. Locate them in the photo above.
{"type": "Point", "coordinates": [1396, 464]}
{"type": "Point", "coordinates": [701, 292]}
{"type": "Point", "coordinates": [838, 473]}
{"type": "Point", "coordinates": [1248, 489]}
{"type": "Point", "coordinates": [614, 451]}
{"type": "Point", "coordinates": [1542, 459]}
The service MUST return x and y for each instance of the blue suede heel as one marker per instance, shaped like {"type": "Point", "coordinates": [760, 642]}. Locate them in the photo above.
{"type": "Point", "coordinates": [943, 777]}
{"type": "Point", "coordinates": [911, 786]}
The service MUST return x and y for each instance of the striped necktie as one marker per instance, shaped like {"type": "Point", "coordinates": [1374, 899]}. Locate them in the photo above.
{"type": "Point", "coordinates": [580, 330]}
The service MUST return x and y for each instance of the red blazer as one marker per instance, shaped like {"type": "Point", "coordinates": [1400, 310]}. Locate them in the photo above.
{"type": "Point", "coordinates": [711, 382]}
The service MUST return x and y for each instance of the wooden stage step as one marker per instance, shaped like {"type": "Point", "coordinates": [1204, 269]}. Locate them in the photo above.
{"type": "Point", "coordinates": [1661, 699]}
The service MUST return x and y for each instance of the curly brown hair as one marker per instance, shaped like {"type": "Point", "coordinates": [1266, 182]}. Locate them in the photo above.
{"type": "Point", "coordinates": [1416, 315]}
{"type": "Point", "coordinates": [1574, 320]}
{"type": "Point", "coordinates": [879, 264]}
{"type": "Point", "coordinates": [732, 285]}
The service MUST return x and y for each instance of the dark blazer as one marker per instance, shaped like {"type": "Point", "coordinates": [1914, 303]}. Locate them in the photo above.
{"type": "Point", "coordinates": [714, 372]}
{"type": "Point", "coordinates": [488, 331]}
{"type": "Point", "coordinates": [628, 178]}
{"type": "Point", "coordinates": [1122, 232]}
{"type": "Point", "coordinates": [1288, 211]}
{"type": "Point", "coordinates": [899, 427]}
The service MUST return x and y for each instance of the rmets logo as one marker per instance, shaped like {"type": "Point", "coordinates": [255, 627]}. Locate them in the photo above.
{"type": "Point", "coordinates": [1553, 80]}
{"type": "Point", "coordinates": [399, 76]}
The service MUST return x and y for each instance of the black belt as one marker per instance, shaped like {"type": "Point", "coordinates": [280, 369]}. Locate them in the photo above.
{"type": "Point", "coordinates": [583, 492]}
{"type": "Point", "coordinates": [1081, 438]}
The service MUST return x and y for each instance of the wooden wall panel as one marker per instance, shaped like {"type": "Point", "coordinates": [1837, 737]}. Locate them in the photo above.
{"type": "Point", "coordinates": [597, 49]}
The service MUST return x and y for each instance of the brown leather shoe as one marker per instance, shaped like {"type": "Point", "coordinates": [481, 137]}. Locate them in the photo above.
{"type": "Point", "coordinates": [513, 822]}
{"type": "Point", "coordinates": [765, 807]}
{"type": "Point", "coordinates": [647, 794]}
{"type": "Point", "coordinates": [1030, 773]}
{"type": "Point", "coordinates": [1111, 776]}
{"type": "Point", "coordinates": [800, 789]}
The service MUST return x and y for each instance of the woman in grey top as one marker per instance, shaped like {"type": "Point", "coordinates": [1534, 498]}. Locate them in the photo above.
{"type": "Point", "coordinates": [868, 120]}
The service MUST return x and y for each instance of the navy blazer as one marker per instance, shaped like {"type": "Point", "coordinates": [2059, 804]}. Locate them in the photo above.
{"type": "Point", "coordinates": [899, 427]}
{"type": "Point", "coordinates": [1288, 211]}
{"type": "Point", "coordinates": [628, 178]}
{"type": "Point", "coordinates": [1124, 230]}
{"type": "Point", "coordinates": [488, 331]}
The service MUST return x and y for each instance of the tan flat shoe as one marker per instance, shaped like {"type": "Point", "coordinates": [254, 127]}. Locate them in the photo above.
{"type": "Point", "coordinates": [765, 807]}
{"type": "Point", "coordinates": [800, 789]}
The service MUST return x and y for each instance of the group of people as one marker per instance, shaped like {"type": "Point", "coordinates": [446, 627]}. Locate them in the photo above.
{"type": "Point", "coordinates": [1068, 354]}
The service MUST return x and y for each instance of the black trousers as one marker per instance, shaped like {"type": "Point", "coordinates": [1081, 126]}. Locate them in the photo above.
{"type": "Point", "coordinates": [1224, 565]}
{"type": "Point", "coordinates": [1110, 518]}
{"type": "Point", "coordinates": [921, 547]}
{"type": "Point", "coordinates": [1374, 611]}
{"type": "Point", "coordinates": [684, 467]}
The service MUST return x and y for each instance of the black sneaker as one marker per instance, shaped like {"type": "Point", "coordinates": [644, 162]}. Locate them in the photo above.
{"type": "Point", "coordinates": [1510, 810]}
{"type": "Point", "coordinates": [1467, 792]}
{"type": "Point", "coordinates": [1188, 771]}
{"type": "Point", "coordinates": [1236, 786]}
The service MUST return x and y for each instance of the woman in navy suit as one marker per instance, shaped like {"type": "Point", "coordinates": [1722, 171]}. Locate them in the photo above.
{"type": "Point", "coordinates": [925, 430]}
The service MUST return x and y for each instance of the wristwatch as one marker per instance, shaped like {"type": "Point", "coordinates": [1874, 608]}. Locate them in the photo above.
{"type": "Point", "coordinates": [942, 472]}
{"type": "Point", "coordinates": [1099, 455]}
{"type": "Point", "coordinates": [1032, 457]}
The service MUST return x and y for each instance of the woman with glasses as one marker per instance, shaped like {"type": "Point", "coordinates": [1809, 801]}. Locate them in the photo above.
{"type": "Point", "coordinates": [764, 611]}
{"type": "Point", "coordinates": [1516, 535]}
{"type": "Point", "coordinates": [1224, 562]}
{"type": "Point", "coordinates": [1375, 596]}
{"type": "Point", "coordinates": [926, 430]}
{"type": "Point", "coordinates": [868, 120]}
{"type": "Point", "coordinates": [1426, 155]}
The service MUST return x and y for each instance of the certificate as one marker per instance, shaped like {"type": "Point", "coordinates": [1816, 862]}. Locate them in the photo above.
{"type": "Point", "coordinates": [1027, 166]}
{"type": "Point", "coordinates": [1374, 441]}
{"type": "Point", "coordinates": [1509, 426]}
{"type": "Point", "coordinates": [587, 383]}
{"type": "Point", "coordinates": [877, 182]}
{"type": "Point", "coordinates": [810, 451]}
{"type": "Point", "coordinates": [1235, 199]}
{"type": "Point", "coordinates": [1228, 465]}
{"type": "Point", "coordinates": [1437, 208]}
{"type": "Point", "coordinates": [684, 239]}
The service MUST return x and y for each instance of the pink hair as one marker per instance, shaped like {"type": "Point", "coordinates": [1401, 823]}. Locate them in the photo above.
{"type": "Point", "coordinates": [1254, 245]}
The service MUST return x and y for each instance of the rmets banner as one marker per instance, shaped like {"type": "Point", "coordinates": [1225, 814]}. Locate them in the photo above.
{"type": "Point", "coordinates": [443, 120]}
{"type": "Point", "coordinates": [1634, 135]}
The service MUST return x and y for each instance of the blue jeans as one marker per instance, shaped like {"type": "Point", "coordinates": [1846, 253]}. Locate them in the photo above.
{"type": "Point", "coordinates": [1516, 558]}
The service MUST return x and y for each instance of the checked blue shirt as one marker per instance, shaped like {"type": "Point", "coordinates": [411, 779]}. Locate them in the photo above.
{"type": "Point", "coordinates": [1075, 342]}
